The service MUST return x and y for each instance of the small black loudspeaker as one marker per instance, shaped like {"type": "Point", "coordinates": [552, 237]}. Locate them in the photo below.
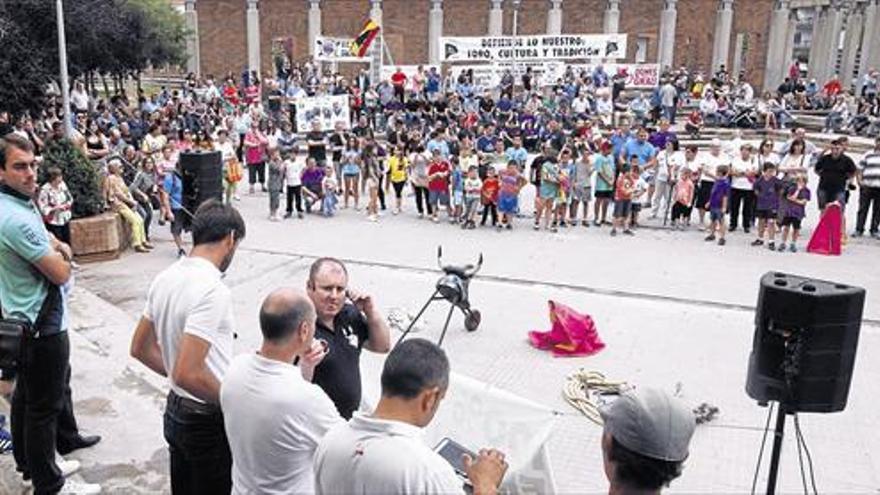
{"type": "Point", "coordinates": [202, 175]}
{"type": "Point", "coordinates": [804, 349]}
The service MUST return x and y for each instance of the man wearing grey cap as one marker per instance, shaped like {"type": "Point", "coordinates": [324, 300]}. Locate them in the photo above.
{"type": "Point", "coordinates": [645, 440]}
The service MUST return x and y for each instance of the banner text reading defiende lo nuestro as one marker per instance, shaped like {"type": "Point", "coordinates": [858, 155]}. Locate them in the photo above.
{"type": "Point", "coordinates": [549, 47]}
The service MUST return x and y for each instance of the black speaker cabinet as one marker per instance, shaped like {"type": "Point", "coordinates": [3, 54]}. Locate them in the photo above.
{"type": "Point", "coordinates": [804, 348]}
{"type": "Point", "coordinates": [202, 175]}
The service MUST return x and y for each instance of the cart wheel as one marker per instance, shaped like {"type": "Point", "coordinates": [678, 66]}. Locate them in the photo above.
{"type": "Point", "coordinates": [472, 321]}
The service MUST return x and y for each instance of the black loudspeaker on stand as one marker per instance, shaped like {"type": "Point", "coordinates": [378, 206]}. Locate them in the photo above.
{"type": "Point", "coordinates": [804, 348]}
{"type": "Point", "coordinates": [202, 176]}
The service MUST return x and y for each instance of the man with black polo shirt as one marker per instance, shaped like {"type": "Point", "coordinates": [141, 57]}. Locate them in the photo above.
{"type": "Point", "coordinates": [346, 327]}
{"type": "Point", "coordinates": [835, 169]}
{"type": "Point", "coordinates": [317, 144]}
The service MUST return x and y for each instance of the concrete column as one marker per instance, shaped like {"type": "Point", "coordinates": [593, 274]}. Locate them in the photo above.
{"type": "Point", "coordinates": [723, 28]}
{"type": "Point", "coordinates": [435, 31]}
{"type": "Point", "coordinates": [378, 48]}
{"type": "Point", "coordinates": [554, 17]}
{"type": "Point", "coordinates": [496, 19]}
{"type": "Point", "coordinates": [777, 59]}
{"type": "Point", "coordinates": [820, 19]}
{"type": "Point", "coordinates": [829, 49]}
{"type": "Point", "coordinates": [851, 42]}
{"type": "Point", "coordinates": [870, 55]}
{"type": "Point", "coordinates": [789, 39]}
{"type": "Point", "coordinates": [253, 35]}
{"type": "Point", "coordinates": [191, 18]}
{"type": "Point", "coordinates": [612, 17]}
{"type": "Point", "coordinates": [314, 24]}
{"type": "Point", "coordinates": [666, 47]}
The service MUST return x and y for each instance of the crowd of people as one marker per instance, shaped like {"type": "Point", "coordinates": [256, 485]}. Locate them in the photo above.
{"type": "Point", "coordinates": [419, 142]}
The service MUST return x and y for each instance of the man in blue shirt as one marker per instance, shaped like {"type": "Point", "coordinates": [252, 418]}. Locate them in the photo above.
{"type": "Point", "coordinates": [486, 142]}
{"type": "Point", "coordinates": [641, 148]}
{"type": "Point", "coordinates": [33, 264]}
{"type": "Point", "coordinates": [172, 207]}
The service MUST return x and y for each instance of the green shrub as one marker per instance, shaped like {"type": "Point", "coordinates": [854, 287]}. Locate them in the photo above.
{"type": "Point", "coordinates": [80, 175]}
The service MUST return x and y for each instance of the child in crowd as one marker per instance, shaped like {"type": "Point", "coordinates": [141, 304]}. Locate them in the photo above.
{"type": "Point", "coordinates": [623, 192]}
{"type": "Point", "coordinates": [717, 205]}
{"type": "Point", "coordinates": [473, 188]}
{"type": "Point", "coordinates": [641, 187]}
{"type": "Point", "coordinates": [684, 198]}
{"type": "Point", "coordinates": [767, 190]}
{"type": "Point", "coordinates": [457, 179]}
{"type": "Point", "coordinates": [798, 197]}
{"type": "Point", "coordinates": [276, 183]}
{"type": "Point", "coordinates": [489, 197]}
{"type": "Point", "coordinates": [329, 185]}
{"type": "Point", "coordinates": [563, 195]}
{"type": "Point", "coordinates": [508, 197]}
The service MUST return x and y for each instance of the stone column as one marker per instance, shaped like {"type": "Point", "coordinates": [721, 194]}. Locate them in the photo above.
{"type": "Point", "coordinates": [554, 17]}
{"type": "Point", "coordinates": [870, 55]}
{"type": "Point", "coordinates": [253, 35]}
{"type": "Point", "coordinates": [851, 41]}
{"type": "Point", "coordinates": [496, 19]}
{"type": "Point", "coordinates": [789, 38]}
{"type": "Point", "coordinates": [378, 46]}
{"type": "Point", "coordinates": [314, 24]}
{"type": "Point", "coordinates": [828, 47]}
{"type": "Point", "coordinates": [666, 47]}
{"type": "Point", "coordinates": [814, 64]}
{"type": "Point", "coordinates": [435, 31]}
{"type": "Point", "coordinates": [612, 17]}
{"type": "Point", "coordinates": [191, 18]}
{"type": "Point", "coordinates": [723, 28]}
{"type": "Point", "coordinates": [777, 59]}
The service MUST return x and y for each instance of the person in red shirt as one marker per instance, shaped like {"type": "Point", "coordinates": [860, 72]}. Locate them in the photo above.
{"type": "Point", "coordinates": [438, 184]}
{"type": "Point", "coordinates": [230, 93]}
{"type": "Point", "coordinates": [623, 193]}
{"type": "Point", "coordinates": [489, 193]}
{"type": "Point", "coordinates": [831, 89]}
{"type": "Point", "coordinates": [398, 81]}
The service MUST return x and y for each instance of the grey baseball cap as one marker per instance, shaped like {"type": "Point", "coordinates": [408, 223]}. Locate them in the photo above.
{"type": "Point", "coordinates": [650, 422]}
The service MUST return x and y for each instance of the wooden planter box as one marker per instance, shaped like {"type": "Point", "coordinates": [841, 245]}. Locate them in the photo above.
{"type": "Point", "coordinates": [100, 237]}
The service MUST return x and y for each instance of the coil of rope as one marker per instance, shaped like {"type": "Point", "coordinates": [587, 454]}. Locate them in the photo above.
{"type": "Point", "coordinates": [582, 390]}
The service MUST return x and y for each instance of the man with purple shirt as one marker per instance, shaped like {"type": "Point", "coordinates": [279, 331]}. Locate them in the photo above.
{"type": "Point", "coordinates": [663, 135]}
{"type": "Point", "coordinates": [312, 178]}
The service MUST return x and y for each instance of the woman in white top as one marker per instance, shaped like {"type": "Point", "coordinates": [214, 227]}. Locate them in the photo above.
{"type": "Point", "coordinates": [744, 171]}
{"type": "Point", "coordinates": [419, 176]}
{"type": "Point", "coordinates": [765, 154]}
{"type": "Point", "coordinates": [231, 166]}
{"type": "Point", "coordinates": [669, 160]}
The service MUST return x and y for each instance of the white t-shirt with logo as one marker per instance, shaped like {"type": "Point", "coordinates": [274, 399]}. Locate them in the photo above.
{"type": "Point", "coordinates": [741, 166]}
{"type": "Point", "coordinates": [274, 420]}
{"type": "Point", "coordinates": [369, 455]}
{"type": "Point", "coordinates": [710, 165]}
{"type": "Point", "coordinates": [189, 297]}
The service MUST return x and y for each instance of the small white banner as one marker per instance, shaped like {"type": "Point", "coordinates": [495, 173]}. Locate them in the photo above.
{"type": "Point", "coordinates": [549, 47]}
{"type": "Point", "coordinates": [326, 110]}
{"type": "Point", "coordinates": [329, 49]}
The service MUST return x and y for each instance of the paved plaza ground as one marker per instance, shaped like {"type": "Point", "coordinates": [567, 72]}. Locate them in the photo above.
{"type": "Point", "coordinates": [673, 310]}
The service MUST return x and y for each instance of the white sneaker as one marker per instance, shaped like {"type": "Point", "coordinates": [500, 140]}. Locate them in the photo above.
{"type": "Point", "coordinates": [67, 467]}
{"type": "Point", "coordinates": [79, 488]}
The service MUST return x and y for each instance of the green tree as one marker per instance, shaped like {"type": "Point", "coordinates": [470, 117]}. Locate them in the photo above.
{"type": "Point", "coordinates": [79, 174]}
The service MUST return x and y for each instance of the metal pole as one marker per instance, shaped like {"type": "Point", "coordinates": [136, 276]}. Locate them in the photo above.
{"type": "Point", "coordinates": [776, 453]}
{"type": "Point", "coordinates": [515, 19]}
{"type": "Point", "coordinates": [62, 63]}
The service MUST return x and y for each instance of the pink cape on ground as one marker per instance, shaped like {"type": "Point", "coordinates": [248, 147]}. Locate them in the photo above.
{"type": "Point", "coordinates": [826, 237]}
{"type": "Point", "coordinates": [572, 333]}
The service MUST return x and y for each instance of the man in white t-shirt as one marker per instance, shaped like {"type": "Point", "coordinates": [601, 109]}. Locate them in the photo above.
{"type": "Point", "coordinates": [275, 417]}
{"type": "Point", "coordinates": [744, 171]}
{"type": "Point", "coordinates": [384, 453]}
{"type": "Point", "coordinates": [709, 163]}
{"type": "Point", "coordinates": [186, 334]}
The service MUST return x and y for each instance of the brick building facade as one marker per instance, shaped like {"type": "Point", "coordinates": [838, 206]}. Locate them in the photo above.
{"type": "Point", "coordinates": [222, 40]}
